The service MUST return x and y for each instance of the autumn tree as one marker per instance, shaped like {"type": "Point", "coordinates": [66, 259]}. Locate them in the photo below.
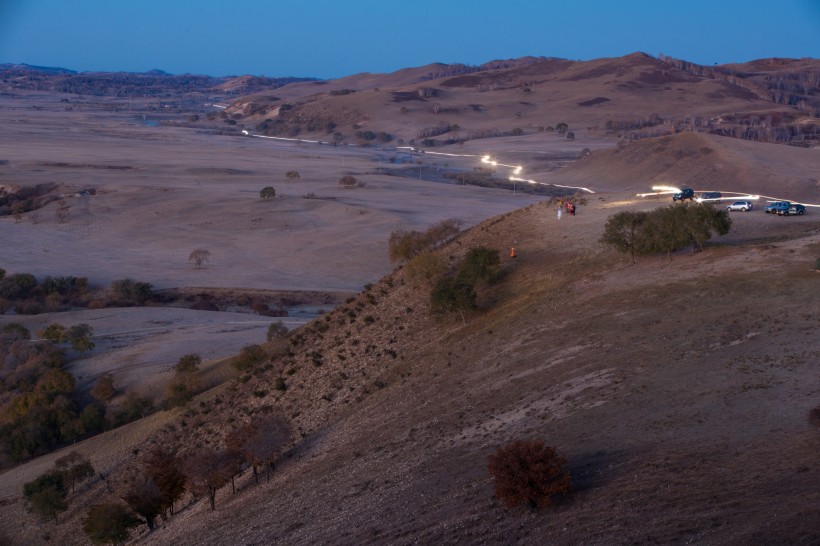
{"type": "Point", "coordinates": [144, 497]}
{"type": "Point", "coordinates": [528, 472]}
{"type": "Point", "coordinates": [207, 471]}
{"type": "Point", "coordinates": [164, 467]}
{"type": "Point", "coordinates": [103, 389]}
{"type": "Point", "coordinates": [260, 442]}
{"type": "Point", "coordinates": [426, 268]}
{"type": "Point", "coordinates": [199, 257]}
{"type": "Point", "coordinates": [109, 522]}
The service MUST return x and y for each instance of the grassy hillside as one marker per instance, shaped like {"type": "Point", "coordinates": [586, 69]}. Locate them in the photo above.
{"type": "Point", "coordinates": [677, 389]}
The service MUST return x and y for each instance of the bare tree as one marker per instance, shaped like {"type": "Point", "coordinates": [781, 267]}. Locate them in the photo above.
{"type": "Point", "coordinates": [260, 442]}
{"type": "Point", "coordinates": [207, 471]}
{"type": "Point", "coordinates": [63, 212]}
{"type": "Point", "coordinates": [199, 257]}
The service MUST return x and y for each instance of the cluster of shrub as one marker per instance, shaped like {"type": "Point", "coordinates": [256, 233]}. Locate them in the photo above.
{"type": "Point", "coordinates": [22, 293]}
{"type": "Point", "coordinates": [26, 199]}
{"type": "Point", "coordinates": [457, 291]}
{"type": "Point", "coordinates": [451, 289]}
{"type": "Point", "coordinates": [40, 407]}
{"type": "Point", "coordinates": [47, 495]}
{"type": "Point", "coordinates": [369, 136]}
{"type": "Point", "coordinates": [665, 230]}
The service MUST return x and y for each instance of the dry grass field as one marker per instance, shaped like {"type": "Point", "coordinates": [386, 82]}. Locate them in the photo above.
{"type": "Point", "coordinates": [678, 389]}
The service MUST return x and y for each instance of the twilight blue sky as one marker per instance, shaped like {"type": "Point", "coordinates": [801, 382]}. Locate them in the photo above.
{"type": "Point", "coordinates": [328, 39]}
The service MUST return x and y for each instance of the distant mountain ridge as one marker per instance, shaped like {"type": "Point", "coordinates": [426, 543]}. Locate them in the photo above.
{"type": "Point", "coordinates": [154, 83]}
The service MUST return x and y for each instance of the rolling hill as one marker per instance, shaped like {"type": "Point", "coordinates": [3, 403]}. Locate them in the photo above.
{"type": "Point", "coordinates": [678, 388]}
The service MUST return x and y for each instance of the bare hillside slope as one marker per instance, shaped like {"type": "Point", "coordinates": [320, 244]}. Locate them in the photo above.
{"type": "Point", "coordinates": [677, 389]}
{"type": "Point", "coordinates": [704, 162]}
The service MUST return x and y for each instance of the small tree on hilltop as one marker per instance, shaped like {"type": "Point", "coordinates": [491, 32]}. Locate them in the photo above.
{"type": "Point", "coordinates": [622, 231]}
{"type": "Point", "coordinates": [199, 257]}
{"type": "Point", "coordinates": [528, 472]}
{"type": "Point", "coordinates": [292, 176]}
{"type": "Point", "coordinates": [267, 193]}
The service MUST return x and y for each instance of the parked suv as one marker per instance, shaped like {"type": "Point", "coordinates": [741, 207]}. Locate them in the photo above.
{"type": "Point", "coordinates": [777, 207]}
{"type": "Point", "coordinates": [713, 196]}
{"type": "Point", "coordinates": [742, 206]}
{"type": "Point", "coordinates": [799, 210]}
{"type": "Point", "coordinates": [685, 193]}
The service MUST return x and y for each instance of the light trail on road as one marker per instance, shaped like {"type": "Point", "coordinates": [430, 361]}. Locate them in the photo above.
{"type": "Point", "coordinates": [517, 170]}
{"type": "Point", "coordinates": [486, 159]}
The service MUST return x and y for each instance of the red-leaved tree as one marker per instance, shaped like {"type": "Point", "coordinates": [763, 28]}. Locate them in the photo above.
{"type": "Point", "coordinates": [528, 472]}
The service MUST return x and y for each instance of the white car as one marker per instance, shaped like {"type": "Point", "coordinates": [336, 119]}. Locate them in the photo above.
{"type": "Point", "coordinates": [742, 206]}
